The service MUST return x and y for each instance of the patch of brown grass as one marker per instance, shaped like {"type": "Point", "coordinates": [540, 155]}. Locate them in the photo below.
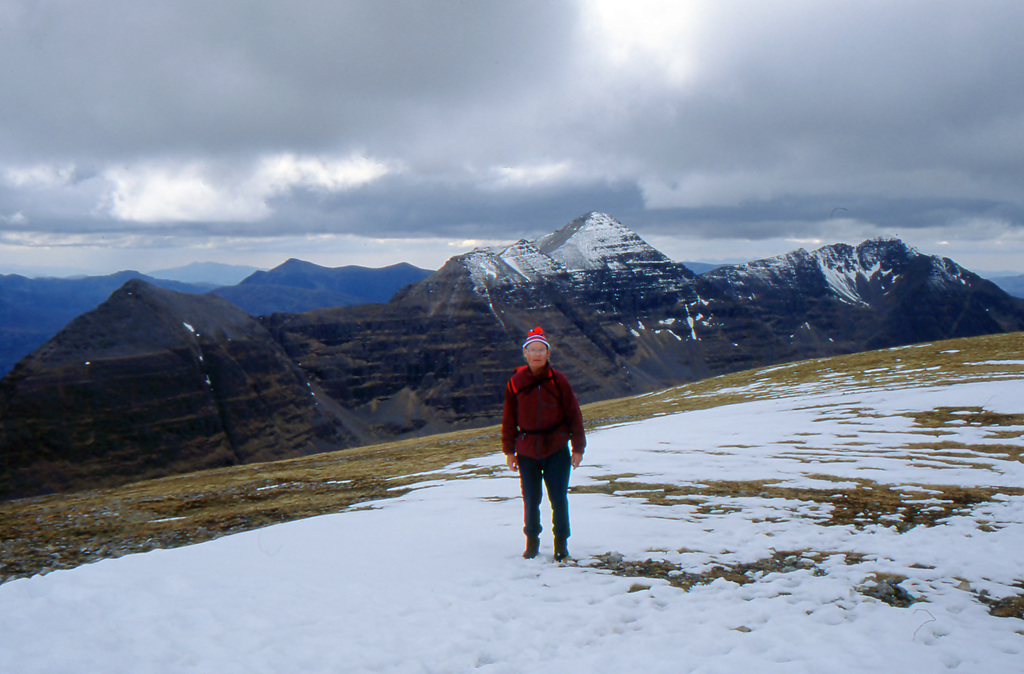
{"type": "Point", "coordinates": [958, 417]}
{"type": "Point", "coordinates": [1008, 607]}
{"type": "Point", "coordinates": [867, 504]}
{"type": "Point", "coordinates": [741, 574]}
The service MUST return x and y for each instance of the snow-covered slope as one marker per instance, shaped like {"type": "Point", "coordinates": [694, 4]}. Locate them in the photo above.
{"type": "Point", "coordinates": [762, 508]}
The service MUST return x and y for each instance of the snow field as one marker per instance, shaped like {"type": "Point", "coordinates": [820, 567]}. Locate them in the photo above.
{"type": "Point", "coordinates": [432, 581]}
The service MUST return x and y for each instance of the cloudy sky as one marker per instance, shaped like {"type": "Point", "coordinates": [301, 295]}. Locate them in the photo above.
{"type": "Point", "coordinates": [145, 134]}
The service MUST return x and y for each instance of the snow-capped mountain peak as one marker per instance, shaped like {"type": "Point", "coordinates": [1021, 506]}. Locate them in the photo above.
{"type": "Point", "coordinates": [597, 241]}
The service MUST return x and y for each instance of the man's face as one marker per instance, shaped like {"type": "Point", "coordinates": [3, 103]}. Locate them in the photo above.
{"type": "Point", "coordinates": [536, 356]}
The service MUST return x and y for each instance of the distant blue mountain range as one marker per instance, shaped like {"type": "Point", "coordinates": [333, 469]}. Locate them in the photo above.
{"type": "Point", "coordinates": [215, 274]}
{"type": "Point", "coordinates": [297, 286]}
{"type": "Point", "coordinates": [34, 309]}
{"type": "Point", "coordinates": [1013, 285]}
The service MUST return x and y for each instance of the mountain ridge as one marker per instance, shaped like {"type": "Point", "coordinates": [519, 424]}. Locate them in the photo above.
{"type": "Point", "coordinates": [1012, 284]}
{"type": "Point", "coordinates": [622, 319]}
{"type": "Point", "coordinates": [34, 310]}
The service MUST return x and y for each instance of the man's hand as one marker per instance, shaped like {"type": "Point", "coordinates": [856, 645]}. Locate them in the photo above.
{"type": "Point", "coordinates": [577, 459]}
{"type": "Point", "coordinates": [510, 460]}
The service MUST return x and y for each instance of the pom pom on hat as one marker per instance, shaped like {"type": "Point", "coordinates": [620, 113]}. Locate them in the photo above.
{"type": "Point", "coordinates": [536, 335]}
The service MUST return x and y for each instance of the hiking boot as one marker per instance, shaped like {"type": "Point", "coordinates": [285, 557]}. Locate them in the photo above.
{"type": "Point", "coordinates": [532, 547]}
{"type": "Point", "coordinates": [561, 549]}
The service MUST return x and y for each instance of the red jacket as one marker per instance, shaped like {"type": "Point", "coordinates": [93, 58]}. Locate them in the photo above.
{"type": "Point", "coordinates": [541, 415]}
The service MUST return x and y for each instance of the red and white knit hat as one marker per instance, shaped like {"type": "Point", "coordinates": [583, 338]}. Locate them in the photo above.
{"type": "Point", "coordinates": [536, 335]}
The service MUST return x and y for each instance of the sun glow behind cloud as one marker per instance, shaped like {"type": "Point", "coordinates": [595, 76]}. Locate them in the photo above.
{"type": "Point", "coordinates": [648, 34]}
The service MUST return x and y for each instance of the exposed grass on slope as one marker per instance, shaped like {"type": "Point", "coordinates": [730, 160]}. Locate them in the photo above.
{"type": "Point", "coordinates": [866, 504]}
{"type": "Point", "coordinates": [64, 531]}
{"type": "Point", "coordinates": [989, 358]}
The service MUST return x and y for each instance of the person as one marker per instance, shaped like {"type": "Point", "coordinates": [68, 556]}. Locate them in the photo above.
{"type": "Point", "coordinates": [540, 419]}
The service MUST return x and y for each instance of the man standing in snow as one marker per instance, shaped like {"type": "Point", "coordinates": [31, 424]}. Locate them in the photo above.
{"type": "Point", "coordinates": [540, 419]}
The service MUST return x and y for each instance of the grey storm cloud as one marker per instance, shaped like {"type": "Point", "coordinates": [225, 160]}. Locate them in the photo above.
{"type": "Point", "coordinates": [405, 118]}
{"type": "Point", "coordinates": [112, 79]}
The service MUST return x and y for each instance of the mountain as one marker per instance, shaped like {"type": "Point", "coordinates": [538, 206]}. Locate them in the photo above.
{"type": "Point", "coordinates": [439, 352]}
{"type": "Point", "coordinates": [623, 319]}
{"type": "Point", "coordinates": [701, 267]}
{"type": "Point", "coordinates": [626, 319]}
{"type": "Point", "coordinates": [33, 310]}
{"type": "Point", "coordinates": [296, 286]}
{"type": "Point", "coordinates": [881, 293]}
{"type": "Point", "coordinates": [155, 382]}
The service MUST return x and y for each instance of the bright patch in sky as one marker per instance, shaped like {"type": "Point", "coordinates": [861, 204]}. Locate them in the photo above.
{"type": "Point", "coordinates": [38, 175]}
{"type": "Point", "coordinates": [183, 193]}
{"type": "Point", "coordinates": [654, 34]}
{"type": "Point", "coordinates": [280, 173]}
{"type": "Point", "coordinates": [197, 192]}
{"type": "Point", "coordinates": [532, 175]}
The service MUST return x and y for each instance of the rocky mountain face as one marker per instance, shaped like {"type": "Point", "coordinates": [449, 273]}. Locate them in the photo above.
{"type": "Point", "coordinates": [438, 354]}
{"type": "Point", "coordinates": [623, 319]}
{"type": "Point", "coordinates": [151, 383]}
{"type": "Point", "coordinates": [841, 298]}
{"type": "Point", "coordinates": [157, 397]}
{"type": "Point", "coordinates": [34, 310]}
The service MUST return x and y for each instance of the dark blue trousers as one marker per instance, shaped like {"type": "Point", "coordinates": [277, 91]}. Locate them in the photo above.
{"type": "Point", "coordinates": [554, 472]}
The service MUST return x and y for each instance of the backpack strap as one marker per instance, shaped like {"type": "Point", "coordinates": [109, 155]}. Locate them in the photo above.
{"type": "Point", "coordinates": [512, 379]}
